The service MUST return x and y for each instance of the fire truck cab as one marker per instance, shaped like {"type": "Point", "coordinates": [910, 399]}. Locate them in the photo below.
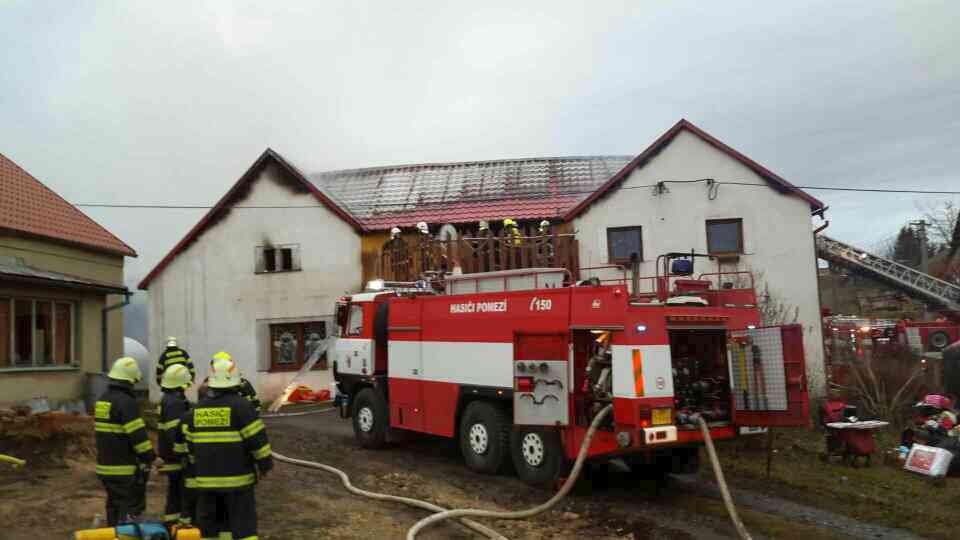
{"type": "Point", "coordinates": [516, 364]}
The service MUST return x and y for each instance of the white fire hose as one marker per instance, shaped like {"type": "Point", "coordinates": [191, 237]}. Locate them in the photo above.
{"type": "Point", "coordinates": [462, 513]}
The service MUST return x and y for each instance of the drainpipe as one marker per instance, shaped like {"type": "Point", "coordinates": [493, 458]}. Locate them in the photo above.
{"type": "Point", "coordinates": [103, 328]}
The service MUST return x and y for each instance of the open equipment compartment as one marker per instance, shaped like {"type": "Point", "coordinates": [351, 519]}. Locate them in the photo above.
{"type": "Point", "coordinates": [701, 377]}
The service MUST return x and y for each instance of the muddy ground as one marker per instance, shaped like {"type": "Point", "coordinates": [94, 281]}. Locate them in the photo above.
{"type": "Point", "coordinates": [57, 498]}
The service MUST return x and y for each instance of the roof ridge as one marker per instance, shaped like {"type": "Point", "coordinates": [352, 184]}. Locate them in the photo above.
{"type": "Point", "coordinates": [465, 163]}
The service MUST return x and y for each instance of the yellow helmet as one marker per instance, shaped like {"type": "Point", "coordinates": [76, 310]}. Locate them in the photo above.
{"type": "Point", "coordinates": [222, 355]}
{"type": "Point", "coordinates": [125, 369]}
{"type": "Point", "coordinates": [223, 372]}
{"type": "Point", "coordinates": [175, 376]}
{"type": "Point", "coordinates": [509, 223]}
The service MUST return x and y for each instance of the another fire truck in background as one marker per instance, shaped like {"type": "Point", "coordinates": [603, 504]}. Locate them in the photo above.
{"type": "Point", "coordinates": [515, 365]}
{"type": "Point", "coordinates": [927, 336]}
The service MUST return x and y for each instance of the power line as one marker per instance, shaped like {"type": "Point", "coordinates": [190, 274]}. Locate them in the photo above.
{"type": "Point", "coordinates": [544, 196]}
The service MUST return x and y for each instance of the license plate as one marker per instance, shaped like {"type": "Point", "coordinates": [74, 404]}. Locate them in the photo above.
{"type": "Point", "coordinates": [662, 417]}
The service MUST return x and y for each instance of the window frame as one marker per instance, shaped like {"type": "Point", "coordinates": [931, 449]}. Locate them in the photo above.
{"type": "Point", "coordinates": [725, 221]}
{"type": "Point", "coordinates": [630, 228]}
{"type": "Point", "coordinates": [41, 364]}
{"type": "Point", "coordinates": [358, 309]}
{"type": "Point", "coordinates": [300, 354]}
{"type": "Point", "coordinates": [277, 251]}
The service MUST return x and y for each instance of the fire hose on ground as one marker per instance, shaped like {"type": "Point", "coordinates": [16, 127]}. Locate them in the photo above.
{"type": "Point", "coordinates": [461, 514]}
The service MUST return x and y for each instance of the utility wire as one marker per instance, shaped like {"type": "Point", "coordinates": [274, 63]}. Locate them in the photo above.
{"type": "Point", "coordinates": [544, 196]}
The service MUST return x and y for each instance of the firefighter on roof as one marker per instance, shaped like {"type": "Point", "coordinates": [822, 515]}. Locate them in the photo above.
{"type": "Point", "coordinates": [124, 453]}
{"type": "Point", "coordinates": [173, 406]}
{"type": "Point", "coordinates": [511, 233]}
{"type": "Point", "coordinates": [173, 355]}
{"type": "Point", "coordinates": [229, 448]}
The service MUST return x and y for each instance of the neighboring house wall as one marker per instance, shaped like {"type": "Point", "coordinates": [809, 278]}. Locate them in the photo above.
{"type": "Point", "coordinates": [777, 232]}
{"type": "Point", "coordinates": [64, 382]}
{"type": "Point", "coordinates": [210, 297]}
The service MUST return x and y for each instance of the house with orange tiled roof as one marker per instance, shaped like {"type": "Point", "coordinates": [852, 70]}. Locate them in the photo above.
{"type": "Point", "coordinates": [61, 287]}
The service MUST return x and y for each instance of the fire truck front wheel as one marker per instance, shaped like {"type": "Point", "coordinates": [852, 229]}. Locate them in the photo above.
{"type": "Point", "coordinates": [370, 419]}
{"type": "Point", "coordinates": [537, 455]}
{"type": "Point", "coordinates": [485, 437]}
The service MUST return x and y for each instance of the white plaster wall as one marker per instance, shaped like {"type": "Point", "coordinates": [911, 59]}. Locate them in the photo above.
{"type": "Point", "coordinates": [777, 228]}
{"type": "Point", "coordinates": [211, 299]}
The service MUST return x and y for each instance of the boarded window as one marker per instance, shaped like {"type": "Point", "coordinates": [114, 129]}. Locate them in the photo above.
{"type": "Point", "coordinates": [292, 344]}
{"type": "Point", "coordinates": [623, 242]}
{"type": "Point", "coordinates": [725, 236]}
{"type": "Point", "coordinates": [23, 332]}
{"type": "Point", "coordinates": [270, 259]}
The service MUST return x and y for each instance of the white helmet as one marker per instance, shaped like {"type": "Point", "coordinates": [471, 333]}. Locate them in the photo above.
{"type": "Point", "coordinates": [544, 224]}
{"type": "Point", "coordinates": [223, 372]}
{"type": "Point", "coordinates": [175, 376]}
{"type": "Point", "coordinates": [484, 226]}
{"type": "Point", "coordinates": [171, 341]}
{"type": "Point", "coordinates": [395, 232]}
{"type": "Point", "coordinates": [422, 227]}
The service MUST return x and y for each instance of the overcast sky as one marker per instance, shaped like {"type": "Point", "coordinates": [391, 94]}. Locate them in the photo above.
{"type": "Point", "coordinates": [169, 102]}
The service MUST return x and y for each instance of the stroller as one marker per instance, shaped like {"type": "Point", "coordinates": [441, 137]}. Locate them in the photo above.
{"type": "Point", "coordinates": [848, 444]}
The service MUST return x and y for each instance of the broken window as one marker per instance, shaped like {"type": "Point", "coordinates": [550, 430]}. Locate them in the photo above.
{"type": "Point", "coordinates": [725, 236]}
{"type": "Point", "coordinates": [292, 344]}
{"type": "Point", "coordinates": [36, 333]}
{"type": "Point", "coordinates": [624, 242]}
{"type": "Point", "coordinates": [271, 259]}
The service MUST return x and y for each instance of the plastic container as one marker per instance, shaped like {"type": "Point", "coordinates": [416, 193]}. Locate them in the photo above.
{"type": "Point", "coordinates": [928, 461]}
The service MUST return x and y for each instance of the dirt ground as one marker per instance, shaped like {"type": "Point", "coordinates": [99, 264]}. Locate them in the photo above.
{"type": "Point", "coordinates": [52, 498]}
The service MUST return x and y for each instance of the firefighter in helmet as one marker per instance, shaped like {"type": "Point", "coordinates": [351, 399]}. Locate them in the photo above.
{"type": "Point", "coordinates": [229, 447]}
{"type": "Point", "coordinates": [246, 389]}
{"type": "Point", "coordinates": [173, 355]}
{"type": "Point", "coordinates": [176, 379]}
{"type": "Point", "coordinates": [124, 453]}
{"type": "Point", "coordinates": [424, 246]}
{"type": "Point", "coordinates": [511, 233]}
{"type": "Point", "coordinates": [547, 249]}
{"type": "Point", "coordinates": [396, 257]}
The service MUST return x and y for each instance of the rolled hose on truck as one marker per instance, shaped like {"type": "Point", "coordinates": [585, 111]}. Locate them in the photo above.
{"type": "Point", "coordinates": [461, 514]}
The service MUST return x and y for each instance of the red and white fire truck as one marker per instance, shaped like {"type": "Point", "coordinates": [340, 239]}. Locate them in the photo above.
{"type": "Point", "coordinates": [515, 364]}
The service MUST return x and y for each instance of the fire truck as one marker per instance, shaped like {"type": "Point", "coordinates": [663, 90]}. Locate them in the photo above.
{"type": "Point", "coordinates": [515, 364]}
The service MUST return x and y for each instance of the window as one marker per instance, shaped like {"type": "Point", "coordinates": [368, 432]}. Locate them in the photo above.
{"type": "Point", "coordinates": [355, 325]}
{"type": "Point", "coordinates": [292, 344]}
{"type": "Point", "coordinates": [270, 259]}
{"type": "Point", "coordinates": [622, 242]}
{"type": "Point", "coordinates": [36, 333]}
{"type": "Point", "coordinates": [725, 236]}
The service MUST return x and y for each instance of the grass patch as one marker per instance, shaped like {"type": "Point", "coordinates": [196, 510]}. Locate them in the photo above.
{"type": "Point", "coordinates": [879, 494]}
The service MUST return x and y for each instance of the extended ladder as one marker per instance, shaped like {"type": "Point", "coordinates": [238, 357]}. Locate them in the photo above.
{"type": "Point", "coordinates": [901, 276]}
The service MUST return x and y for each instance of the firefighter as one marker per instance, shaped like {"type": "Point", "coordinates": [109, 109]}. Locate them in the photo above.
{"type": "Point", "coordinates": [124, 453]}
{"type": "Point", "coordinates": [228, 445]}
{"type": "Point", "coordinates": [547, 249]}
{"type": "Point", "coordinates": [174, 355]}
{"type": "Point", "coordinates": [188, 508]}
{"type": "Point", "coordinates": [246, 389]}
{"type": "Point", "coordinates": [173, 406]}
{"type": "Point", "coordinates": [512, 233]}
{"type": "Point", "coordinates": [425, 249]}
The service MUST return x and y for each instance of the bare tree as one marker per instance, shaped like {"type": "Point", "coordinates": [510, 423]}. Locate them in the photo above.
{"type": "Point", "coordinates": [942, 218]}
{"type": "Point", "coordinates": [774, 310]}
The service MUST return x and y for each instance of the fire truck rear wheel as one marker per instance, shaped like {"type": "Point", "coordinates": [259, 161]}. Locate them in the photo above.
{"type": "Point", "coordinates": [537, 455]}
{"type": "Point", "coordinates": [370, 419]}
{"type": "Point", "coordinates": [485, 437]}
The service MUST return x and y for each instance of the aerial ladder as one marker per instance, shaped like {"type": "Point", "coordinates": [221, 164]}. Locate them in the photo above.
{"type": "Point", "coordinates": [913, 282]}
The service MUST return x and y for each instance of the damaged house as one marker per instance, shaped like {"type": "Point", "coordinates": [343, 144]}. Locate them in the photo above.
{"type": "Point", "coordinates": [259, 275]}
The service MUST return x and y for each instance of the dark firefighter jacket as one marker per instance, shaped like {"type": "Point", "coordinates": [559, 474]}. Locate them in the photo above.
{"type": "Point", "coordinates": [182, 451]}
{"type": "Point", "coordinates": [227, 442]}
{"type": "Point", "coordinates": [172, 408]}
{"type": "Point", "coordinates": [247, 391]}
{"type": "Point", "coordinates": [171, 356]}
{"type": "Point", "coordinates": [121, 435]}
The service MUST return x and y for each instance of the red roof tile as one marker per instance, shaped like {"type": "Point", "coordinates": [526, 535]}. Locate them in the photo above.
{"type": "Point", "coordinates": [465, 192]}
{"type": "Point", "coordinates": [29, 207]}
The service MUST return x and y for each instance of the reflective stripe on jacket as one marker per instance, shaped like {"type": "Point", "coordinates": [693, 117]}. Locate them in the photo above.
{"type": "Point", "coordinates": [120, 432]}
{"type": "Point", "coordinates": [172, 407]}
{"type": "Point", "coordinates": [172, 356]}
{"type": "Point", "coordinates": [225, 438]}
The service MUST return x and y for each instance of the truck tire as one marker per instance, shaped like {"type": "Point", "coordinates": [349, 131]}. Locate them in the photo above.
{"type": "Point", "coordinates": [537, 455]}
{"type": "Point", "coordinates": [937, 341]}
{"type": "Point", "coordinates": [485, 437]}
{"type": "Point", "coordinates": [370, 419]}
